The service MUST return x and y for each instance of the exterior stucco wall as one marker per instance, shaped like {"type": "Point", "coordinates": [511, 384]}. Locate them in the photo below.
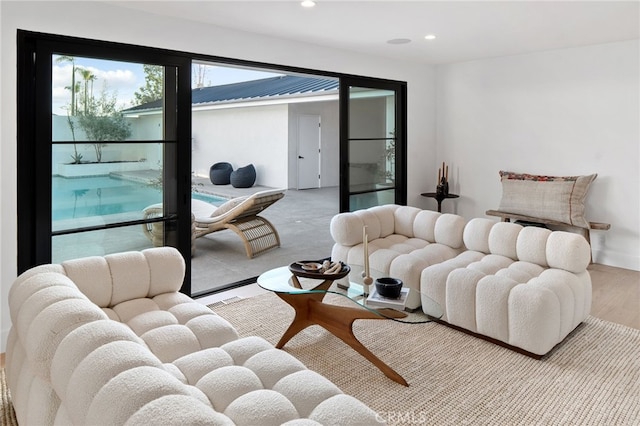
{"type": "Point", "coordinates": [253, 135]}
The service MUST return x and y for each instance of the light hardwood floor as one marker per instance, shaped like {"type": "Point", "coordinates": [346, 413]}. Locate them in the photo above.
{"type": "Point", "coordinates": [616, 296]}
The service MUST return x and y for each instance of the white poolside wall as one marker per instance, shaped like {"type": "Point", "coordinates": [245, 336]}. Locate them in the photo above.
{"type": "Point", "coordinates": [147, 156]}
{"type": "Point", "coordinates": [263, 135]}
{"type": "Point", "coordinates": [527, 85]}
{"type": "Point", "coordinates": [255, 135]}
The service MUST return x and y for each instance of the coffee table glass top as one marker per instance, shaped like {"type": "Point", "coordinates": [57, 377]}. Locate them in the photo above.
{"type": "Point", "coordinates": [281, 280]}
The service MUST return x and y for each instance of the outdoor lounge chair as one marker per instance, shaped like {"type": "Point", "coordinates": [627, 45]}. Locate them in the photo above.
{"type": "Point", "coordinates": [240, 214]}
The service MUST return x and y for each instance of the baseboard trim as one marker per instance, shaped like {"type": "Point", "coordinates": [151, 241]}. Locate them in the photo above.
{"type": "Point", "coordinates": [220, 289]}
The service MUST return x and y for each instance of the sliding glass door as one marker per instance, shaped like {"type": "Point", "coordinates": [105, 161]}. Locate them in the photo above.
{"type": "Point", "coordinates": [104, 170]}
{"type": "Point", "coordinates": [93, 180]}
{"type": "Point", "coordinates": [373, 143]}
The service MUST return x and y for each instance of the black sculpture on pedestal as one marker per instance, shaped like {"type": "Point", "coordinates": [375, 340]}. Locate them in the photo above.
{"type": "Point", "coordinates": [442, 188]}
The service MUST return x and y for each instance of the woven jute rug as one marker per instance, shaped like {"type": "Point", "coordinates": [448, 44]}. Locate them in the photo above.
{"type": "Point", "coordinates": [592, 378]}
{"type": "Point", "coordinates": [7, 415]}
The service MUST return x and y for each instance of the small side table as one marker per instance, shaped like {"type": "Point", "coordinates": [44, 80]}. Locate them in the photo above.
{"type": "Point", "coordinates": [439, 198]}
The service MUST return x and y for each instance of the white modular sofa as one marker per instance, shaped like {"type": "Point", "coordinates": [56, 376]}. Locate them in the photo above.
{"type": "Point", "coordinates": [110, 340]}
{"type": "Point", "coordinates": [403, 241]}
{"type": "Point", "coordinates": [523, 287]}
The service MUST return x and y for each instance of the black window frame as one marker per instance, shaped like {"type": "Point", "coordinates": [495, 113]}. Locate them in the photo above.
{"type": "Point", "coordinates": [34, 151]}
{"type": "Point", "coordinates": [400, 178]}
{"type": "Point", "coordinates": [33, 162]}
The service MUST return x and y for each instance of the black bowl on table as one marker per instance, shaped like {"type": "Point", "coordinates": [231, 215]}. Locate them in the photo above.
{"type": "Point", "coordinates": [388, 287]}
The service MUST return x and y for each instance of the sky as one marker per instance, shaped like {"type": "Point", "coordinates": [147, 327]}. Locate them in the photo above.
{"type": "Point", "coordinates": [126, 78]}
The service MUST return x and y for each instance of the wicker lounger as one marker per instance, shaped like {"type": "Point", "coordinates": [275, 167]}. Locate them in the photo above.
{"type": "Point", "coordinates": [241, 215]}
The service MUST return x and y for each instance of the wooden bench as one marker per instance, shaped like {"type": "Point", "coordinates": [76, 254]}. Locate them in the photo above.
{"type": "Point", "coordinates": [506, 217]}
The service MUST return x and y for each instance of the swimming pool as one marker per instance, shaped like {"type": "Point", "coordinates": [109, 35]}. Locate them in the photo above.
{"type": "Point", "coordinates": [98, 196]}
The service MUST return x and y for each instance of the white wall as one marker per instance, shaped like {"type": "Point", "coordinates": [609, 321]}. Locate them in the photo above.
{"type": "Point", "coordinates": [255, 135]}
{"type": "Point", "coordinates": [106, 22]}
{"type": "Point", "coordinates": [563, 112]}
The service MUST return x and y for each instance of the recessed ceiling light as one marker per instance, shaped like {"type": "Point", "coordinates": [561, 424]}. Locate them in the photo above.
{"type": "Point", "coordinates": [399, 41]}
{"type": "Point", "coordinates": [308, 3]}
{"type": "Point", "coordinates": [430, 37]}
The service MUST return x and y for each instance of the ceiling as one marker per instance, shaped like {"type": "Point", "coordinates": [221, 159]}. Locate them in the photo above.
{"type": "Point", "coordinates": [465, 30]}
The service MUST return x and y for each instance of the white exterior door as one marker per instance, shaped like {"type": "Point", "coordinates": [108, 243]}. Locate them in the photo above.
{"type": "Point", "coordinates": [308, 151]}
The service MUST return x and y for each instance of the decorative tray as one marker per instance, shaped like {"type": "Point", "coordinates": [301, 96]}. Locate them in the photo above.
{"type": "Point", "coordinates": [318, 270]}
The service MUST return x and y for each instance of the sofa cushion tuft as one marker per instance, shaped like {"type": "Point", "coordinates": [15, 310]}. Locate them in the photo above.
{"type": "Point", "coordinates": [404, 218]}
{"type": "Point", "coordinates": [306, 389]}
{"type": "Point", "coordinates": [170, 342]}
{"type": "Point", "coordinates": [263, 407]}
{"type": "Point", "coordinates": [272, 365]}
{"type": "Point", "coordinates": [569, 251]}
{"type": "Point", "coordinates": [197, 364]}
{"type": "Point", "coordinates": [93, 278]}
{"type": "Point", "coordinates": [532, 245]}
{"type": "Point", "coordinates": [344, 410]}
{"type": "Point", "coordinates": [424, 225]}
{"type": "Point", "coordinates": [476, 234]}
{"type": "Point", "coordinates": [503, 239]}
{"type": "Point", "coordinates": [178, 410]}
{"type": "Point", "coordinates": [130, 276]}
{"type": "Point", "coordinates": [130, 391]}
{"type": "Point", "coordinates": [449, 230]}
{"type": "Point", "coordinates": [166, 270]}
{"type": "Point", "coordinates": [226, 384]}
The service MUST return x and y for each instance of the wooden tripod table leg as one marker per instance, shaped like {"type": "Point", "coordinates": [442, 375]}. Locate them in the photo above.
{"type": "Point", "coordinates": [338, 320]}
{"type": "Point", "coordinates": [300, 303]}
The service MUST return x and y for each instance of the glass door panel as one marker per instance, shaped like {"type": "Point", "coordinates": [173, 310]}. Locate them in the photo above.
{"type": "Point", "coordinates": [111, 101]}
{"type": "Point", "coordinates": [84, 195]}
{"type": "Point", "coordinates": [108, 145]}
{"type": "Point", "coordinates": [103, 133]}
{"type": "Point", "coordinates": [371, 140]}
{"type": "Point", "coordinates": [98, 243]}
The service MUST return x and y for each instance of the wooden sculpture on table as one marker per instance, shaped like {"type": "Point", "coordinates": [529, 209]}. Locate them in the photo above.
{"type": "Point", "coordinates": [366, 276]}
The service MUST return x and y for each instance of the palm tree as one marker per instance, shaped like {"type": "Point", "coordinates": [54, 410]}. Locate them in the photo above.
{"type": "Point", "coordinates": [87, 76]}
{"type": "Point", "coordinates": [74, 99]}
{"type": "Point", "coordinates": [92, 79]}
{"type": "Point", "coordinates": [61, 59]}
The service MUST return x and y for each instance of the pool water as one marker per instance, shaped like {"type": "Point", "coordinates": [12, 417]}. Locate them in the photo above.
{"type": "Point", "coordinates": [87, 197]}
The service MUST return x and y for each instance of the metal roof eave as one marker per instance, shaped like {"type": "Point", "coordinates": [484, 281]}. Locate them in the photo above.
{"type": "Point", "coordinates": [274, 100]}
{"type": "Point", "coordinates": [330, 95]}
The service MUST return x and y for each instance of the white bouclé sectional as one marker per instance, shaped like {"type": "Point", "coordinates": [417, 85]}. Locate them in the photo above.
{"type": "Point", "coordinates": [403, 241]}
{"type": "Point", "coordinates": [527, 287]}
{"type": "Point", "coordinates": [110, 340]}
{"type": "Point", "coordinates": [524, 287]}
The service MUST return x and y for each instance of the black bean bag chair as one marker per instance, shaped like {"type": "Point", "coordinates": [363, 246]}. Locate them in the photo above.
{"type": "Point", "coordinates": [243, 177]}
{"type": "Point", "coordinates": [220, 173]}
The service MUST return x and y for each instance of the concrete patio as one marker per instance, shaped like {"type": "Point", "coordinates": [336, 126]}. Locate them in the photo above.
{"type": "Point", "coordinates": [302, 219]}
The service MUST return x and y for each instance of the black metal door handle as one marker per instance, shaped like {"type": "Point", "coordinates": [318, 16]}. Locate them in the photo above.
{"type": "Point", "coordinates": [300, 156]}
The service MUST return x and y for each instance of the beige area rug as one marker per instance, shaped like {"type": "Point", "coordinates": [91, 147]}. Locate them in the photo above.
{"type": "Point", "coordinates": [7, 415]}
{"type": "Point", "coordinates": [592, 378]}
